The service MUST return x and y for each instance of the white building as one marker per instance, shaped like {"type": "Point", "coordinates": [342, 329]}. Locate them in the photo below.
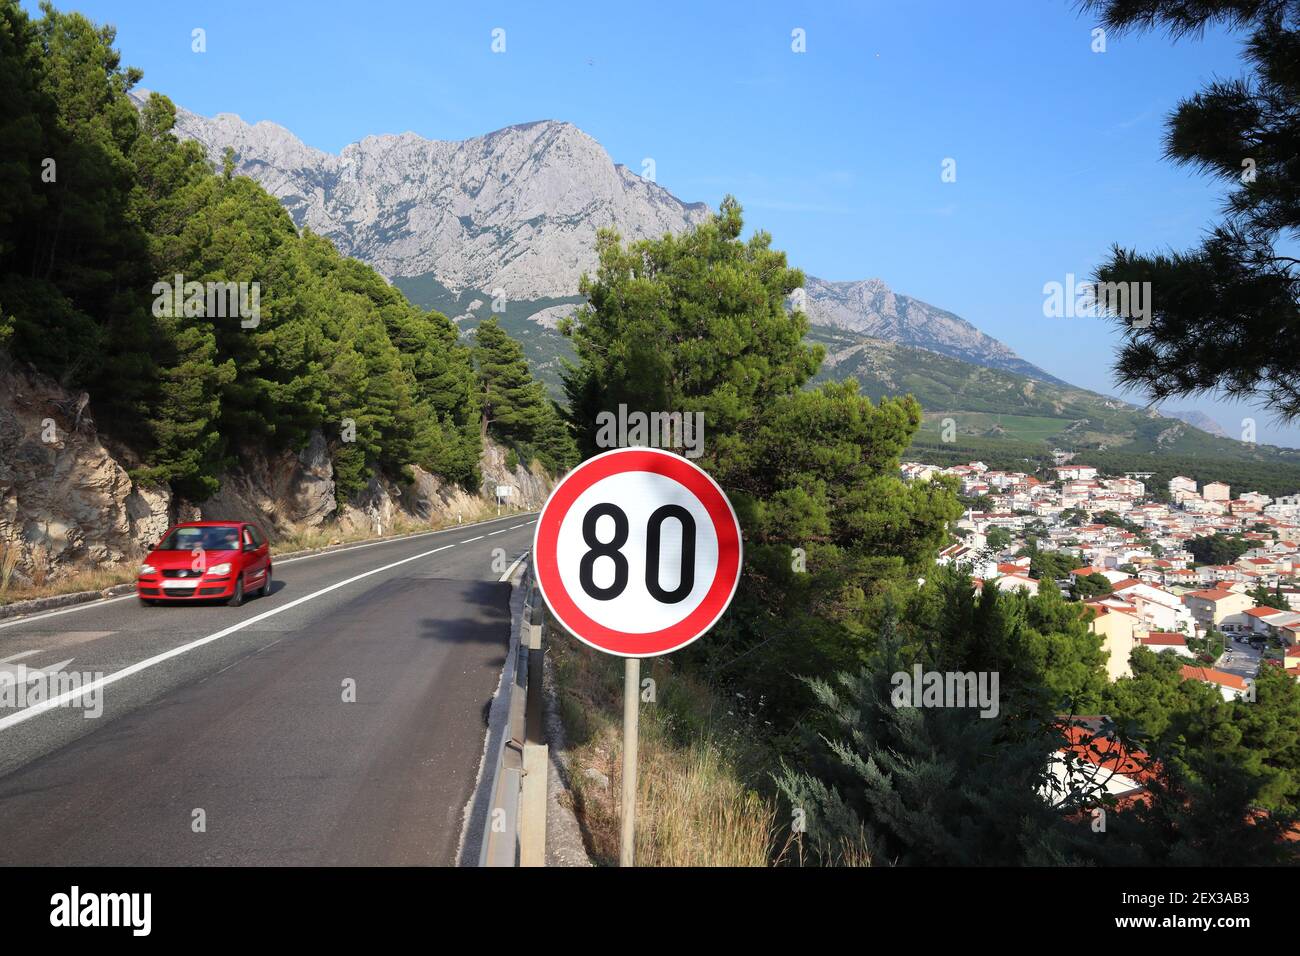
{"type": "Point", "coordinates": [1217, 491]}
{"type": "Point", "coordinates": [1180, 486]}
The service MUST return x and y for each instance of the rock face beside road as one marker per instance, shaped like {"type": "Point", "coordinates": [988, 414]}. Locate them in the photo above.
{"type": "Point", "coordinates": [67, 500]}
{"type": "Point", "coordinates": [64, 498]}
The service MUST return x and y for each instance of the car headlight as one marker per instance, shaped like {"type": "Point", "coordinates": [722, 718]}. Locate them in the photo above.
{"type": "Point", "coordinates": [148, 569]}
{"type": "Point", "coordinates": [219, 569]}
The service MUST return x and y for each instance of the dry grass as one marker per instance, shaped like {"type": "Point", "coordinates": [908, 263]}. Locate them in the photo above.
{"type": "Point", "coordinates": [88, 579]}
{"type": "Point", "coordinates": [41, 566]}
{"type": "Point", "coordinates": [850, 853]}
{"type": "Point", "coordinates": [308, 539]}
{"type": "Point", "coordinates": [8, 561]}
{"type": "Point", "coordinates": [695, 812]}
{"type": "Point", "coordinates": [695, 805]}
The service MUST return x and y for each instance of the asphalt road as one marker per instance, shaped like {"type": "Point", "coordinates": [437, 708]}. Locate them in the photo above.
{"type": "Point", "coordinates": [1240, 659]}
{"type": "Point", "coordinates": [339, 720]}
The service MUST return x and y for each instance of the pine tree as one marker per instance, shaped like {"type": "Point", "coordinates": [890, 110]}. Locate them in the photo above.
{"type": "Point", "coordinates": [512, 404]}
{"type": "Point", "coordinates": [697, 323]}
{"type": "Point", "coordinates": [923, 786]}
{"type": "Point", "coordinates": [1226, 315]}
{"type": "Point", "coordinates": [129, 206]}
{"type": "Point", "coordinates": [515, 407]}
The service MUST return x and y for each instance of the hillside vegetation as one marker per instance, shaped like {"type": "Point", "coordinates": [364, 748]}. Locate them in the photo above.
{"type": "Point", "coordinates": [1001, 413]}
{"type": "Point", "coordinates": [999, 416]}
{"type": "Point", "coordinates": [113, 236]}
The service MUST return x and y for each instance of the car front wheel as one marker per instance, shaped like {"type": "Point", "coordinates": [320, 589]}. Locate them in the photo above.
{"type": "Point", "coordinates": [265, 589]}
{"type": "Point", "coordinates": [237, 598]}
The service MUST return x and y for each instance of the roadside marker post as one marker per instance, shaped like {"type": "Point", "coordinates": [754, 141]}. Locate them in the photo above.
{"type": "Point", "coordinates": [637, 553]}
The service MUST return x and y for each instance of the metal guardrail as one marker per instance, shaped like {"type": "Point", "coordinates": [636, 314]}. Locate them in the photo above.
{"type": "Point", "coordinates": [514, 828]}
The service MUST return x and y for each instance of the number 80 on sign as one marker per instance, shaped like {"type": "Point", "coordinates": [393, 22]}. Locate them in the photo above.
{"type": "Point", "coordinates": [637, 552]}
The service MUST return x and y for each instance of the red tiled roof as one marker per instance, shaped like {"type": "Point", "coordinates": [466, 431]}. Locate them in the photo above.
{"type": "Point", "coordinates": [1263, 611]}
{"type": "Point", "coordinates": [1209, 675]}
{"type": "Point", "coordinates": [1101, 750]}
{"type": "Point", "coordinates": [1164, 638]}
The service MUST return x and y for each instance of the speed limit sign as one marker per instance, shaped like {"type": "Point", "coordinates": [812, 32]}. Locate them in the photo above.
{"type": "Point", "coordinates": [637, 552]}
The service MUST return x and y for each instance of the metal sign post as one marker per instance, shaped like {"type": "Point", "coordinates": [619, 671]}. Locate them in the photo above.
{"type": "Point", "coordinates": [631, 713]}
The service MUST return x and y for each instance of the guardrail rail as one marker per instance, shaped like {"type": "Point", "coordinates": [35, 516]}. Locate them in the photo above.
{"type": "Point", "coordinates": [514, 829]}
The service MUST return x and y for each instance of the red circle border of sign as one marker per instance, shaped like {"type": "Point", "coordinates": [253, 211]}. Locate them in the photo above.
{"type": "Point", "coordinates": [725, 524]}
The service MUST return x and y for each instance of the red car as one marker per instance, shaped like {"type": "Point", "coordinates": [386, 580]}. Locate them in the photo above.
{"type": "Point", "coordinates": [205, 561]}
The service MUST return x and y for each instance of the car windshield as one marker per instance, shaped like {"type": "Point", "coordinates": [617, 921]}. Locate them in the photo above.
{"type": "Point", "coordinates": [209, 539]}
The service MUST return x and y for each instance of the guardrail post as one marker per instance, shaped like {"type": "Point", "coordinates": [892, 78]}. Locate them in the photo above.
{"type": "Point", "coordinates": [534, 789]}
{"type": "Point", "coordinates": [532, 806]}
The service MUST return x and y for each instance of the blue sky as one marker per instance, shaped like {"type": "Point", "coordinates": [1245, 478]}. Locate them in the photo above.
{"type": "Point", "coordinates": [836, 151]}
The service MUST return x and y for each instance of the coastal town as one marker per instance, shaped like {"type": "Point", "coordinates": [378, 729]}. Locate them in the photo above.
{"type": "Point", "coordinates": [1185, 569]}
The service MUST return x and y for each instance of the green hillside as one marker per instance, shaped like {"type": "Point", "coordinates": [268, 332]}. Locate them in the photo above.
{"type": "Point", "coordinates": [544, 347]}
{"type": "Point", "coordinates": [1005, 419]}
{"type": "Point", "coordinates": [1002, 407]}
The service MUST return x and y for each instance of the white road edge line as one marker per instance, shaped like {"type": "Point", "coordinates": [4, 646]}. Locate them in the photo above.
{"type": "Point", "coordinates": [6, 660]}
{"type": "Point", "coordinates": [372, 544]}
{"type": "Point", "coordinates": [50, 703]}
{"type": "Point", "coordinates": [511, 570]}
{"type": "Point", "coordinates": [24, 619]}
{"type": "Point", "coordinates": [67, 610]}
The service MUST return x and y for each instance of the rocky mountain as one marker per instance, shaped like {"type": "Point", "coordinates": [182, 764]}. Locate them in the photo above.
{"type": "Point", "coordinates": [872, 309]}
{"type": "Point", "coordinates": [1199, 419]}
{"type": "Point", "coordinates": [517, 210]}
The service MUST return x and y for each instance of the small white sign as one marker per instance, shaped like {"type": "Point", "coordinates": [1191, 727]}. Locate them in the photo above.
{"type": "Point", "coordinates": [505, 491]}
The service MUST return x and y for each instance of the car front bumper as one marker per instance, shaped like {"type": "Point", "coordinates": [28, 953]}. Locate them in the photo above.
{"type": "Point", "coordinates": [158, 588]}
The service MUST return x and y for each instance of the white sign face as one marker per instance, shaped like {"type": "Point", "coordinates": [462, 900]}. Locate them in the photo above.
{"type": "Point", "coordinates": [638, 552]}
{"type": "Point", "coordinates": [505, 491]}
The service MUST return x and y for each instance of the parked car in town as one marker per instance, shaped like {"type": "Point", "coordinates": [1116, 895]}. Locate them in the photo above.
{"type": "Point", "coordinates": [207, 561]}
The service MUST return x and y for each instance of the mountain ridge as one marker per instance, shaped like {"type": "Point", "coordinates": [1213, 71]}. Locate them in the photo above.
{"type": "Point", "coordinates": [516, 210]}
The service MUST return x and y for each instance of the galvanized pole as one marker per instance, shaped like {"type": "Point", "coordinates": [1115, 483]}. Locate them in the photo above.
{"type": "Point", "coordinates": [631, 702]}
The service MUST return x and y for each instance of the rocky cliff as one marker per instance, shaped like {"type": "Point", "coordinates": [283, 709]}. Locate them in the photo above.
{"type": "Point", "coordinates": [518, 210]}
{"type": "Point", "coordinates": [871, 308]}
{"type": "Point", "coordinates": [67, 501]}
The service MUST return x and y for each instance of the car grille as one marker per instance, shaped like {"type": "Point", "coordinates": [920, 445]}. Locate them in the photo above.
{"type": "Point", "coordinates": [148, 590]}
{"type": "Point", "coordinates": [181, 573]}
{"type": "Point", "coordinates": [179, 592]}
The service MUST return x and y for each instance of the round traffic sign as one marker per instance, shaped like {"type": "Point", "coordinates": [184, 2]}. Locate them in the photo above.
{"type": "Point", "coordinates": [637, 552]}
